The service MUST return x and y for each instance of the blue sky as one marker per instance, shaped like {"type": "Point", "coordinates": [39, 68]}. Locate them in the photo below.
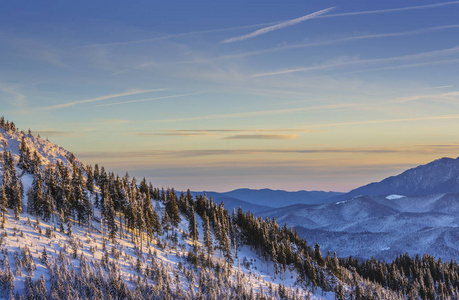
{"type": "Point", "coordinates": [218, 95]}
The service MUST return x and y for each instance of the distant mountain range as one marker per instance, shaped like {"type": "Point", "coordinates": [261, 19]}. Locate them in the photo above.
{"type": "Point", "coordinates": [436, 177]}
{"type": "Point", "coordinates": [265, 199]}
{"type": "Point", "coordinates": [382, 227]}
{"type": "Point", "coordinates": [415, 212]}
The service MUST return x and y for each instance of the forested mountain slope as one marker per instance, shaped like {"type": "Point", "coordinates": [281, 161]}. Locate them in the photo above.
{"type": "Point", "coordinates": [70, 231]}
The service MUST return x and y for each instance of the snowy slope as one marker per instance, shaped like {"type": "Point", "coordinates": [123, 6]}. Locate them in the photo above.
{"type": "Point", "coordinates": [437, 177]}
{"type": "Point", "coordinates": [90, 256]}
{"type": "Point", "coordinates": [382, 227]}
{"type": "Point", "coordinates": [49, 153]}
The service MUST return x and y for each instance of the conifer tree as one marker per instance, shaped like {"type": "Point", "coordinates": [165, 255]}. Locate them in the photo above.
{"type": "Point", "coordinates": [208, 243]}
{"type": "Point", "coordinates": [90, 184]}
{"type": "Point", "coordinates": [193, 228]}
{"type": "Point", "coordinates": [3, 203]}
{"type": "Point", "coordinates": [109, 218]}
{"type": "Point", "coordinates": [172, 208]}
{"type": "Point", "coordinates": [35, 195]}
{"type": "Point", "coordinates": [11, 182]}
{"type": "Point", "coordinates": [165, 222]}
{"type": "Point", "coordinates": [24, 156]}
{"type": "Point", "coordinates": [318, 255]}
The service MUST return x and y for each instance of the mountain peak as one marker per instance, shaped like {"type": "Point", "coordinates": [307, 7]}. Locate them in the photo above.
{"type": "Point", "coordinates": [436, 177]}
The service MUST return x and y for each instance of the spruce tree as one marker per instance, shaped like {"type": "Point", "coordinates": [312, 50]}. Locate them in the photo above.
{"type": "Point", "coordinates": [318, 256]}
{"type": "Point", "coordinates": [208, 243]}
{"type": "Point", "coordinates": [35, 196]}
{"type": "Point", "coordinates": [193, 228]}
{"type": "Point", "coordinates": [3, 203]}
{"type": "Point", "coordinates": [109, 218]}
{"type": "Point", "coordinates": [172, 208]}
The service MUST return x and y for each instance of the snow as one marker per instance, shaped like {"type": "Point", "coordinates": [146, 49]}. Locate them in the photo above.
{"type": "Point", "coordinates": [394, 197]}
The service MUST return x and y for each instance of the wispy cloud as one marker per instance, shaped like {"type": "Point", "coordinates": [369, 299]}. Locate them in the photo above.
{"type": "Point", "coordinates": [381, 11]}
{"type": "Point", "coordinates": [447, 95]}
{"type": "Point", "coordinates": [277, 26]}
{"type": "Point", "coordinates": [57, 133]}
{"type": "Point", "coordinates": [263, 137]}
{"type": "Point", "coordinates": [113, 121]}
{"type": "Point", "coordinates": [20, 100]}
{"type": "Point", "coordinates": [324, 43]}
{"type": "Point", "coordinates": [111, 96]}
{"type": "Point", "coordinates": [261, 113]}
{"type": "Point", "coordinates": [176, 35]}
{"type": "Point", "coordinates": [421, 55]}
{"type": "Point", "coordinates": [219, 132]}
{"type": "Point", "coordinates": [191, 33]}
{"type": "Point", "coordinates": [400, 66]}
{"type": "Point", "coordinates": [414, 149]}
{"type": "Point", "coordinates": [150, 99]}
{"type": "Point", "coordinates": [427, 118]}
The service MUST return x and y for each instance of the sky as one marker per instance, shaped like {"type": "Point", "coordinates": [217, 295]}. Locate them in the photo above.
{"type": "Point", "coordinates": [219, 95]}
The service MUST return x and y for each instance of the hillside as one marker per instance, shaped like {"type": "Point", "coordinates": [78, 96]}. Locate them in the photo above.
{"type": "Point", "coordinates": [380, 227]}
{"type": "Point", "coordinates": [70, 231]}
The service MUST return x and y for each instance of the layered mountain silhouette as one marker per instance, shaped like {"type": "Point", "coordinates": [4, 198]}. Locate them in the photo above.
{"type": "Point", "coordinates": [438, 176]}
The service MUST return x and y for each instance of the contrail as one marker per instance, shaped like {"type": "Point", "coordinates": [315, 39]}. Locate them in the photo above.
{"type": "Point", "coordinates": [277, 26]}
{"type": "Point", "coordinates": [356, 13]}
{"type": "Point", "coordinates": [128, 93]}
{"type": "Point", "coordinates": [149, 99]}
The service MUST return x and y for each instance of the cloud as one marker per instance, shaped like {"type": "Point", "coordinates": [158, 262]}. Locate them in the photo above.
{"type": "Point", "coordinates": [113, 121]}
{"type": "Point", "coordinates": [149, 99]}
{"type": "Point", "coordinates": [380, 11]}
{"type": "Point", "coordinates": [260, 113]}
{"type": "Point", "coordinates": [447, 95]}
{"type": "Point", "coordinates": [421, 55]}
{"type": "Point", "coordinates": [324, 43]}
{"type": "Point", "coordinates": [402, 66]}
{"type": "Point", "coordinates": [263, 137]}
{"type": "Point", "coordinates": [111, 96]}
{"type": "Point", "coordinates": [277, 26]}
{"type": "Point", "coordinates": [57, 133]}
{"type": "Point", "coordinates": [185, 34]}
{"type": "Point", "coordinates": [433, 149]}
{"type": "Point", "coordinates": [438, 117]}
{"type": "Point", "coordinates": [211, 132]}
{"type": "Point", "coordinates": [20, 100]}
{"type": "Point", "coordinates": [170, 36]}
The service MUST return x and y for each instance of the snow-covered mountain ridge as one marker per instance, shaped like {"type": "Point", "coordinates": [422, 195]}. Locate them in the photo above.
{"type": "Point", "coordinates": [49, 153]}
{"type": "Point", "coordinates": [378, 226]}
{"type": "Point", "coordinates": [437, 177]}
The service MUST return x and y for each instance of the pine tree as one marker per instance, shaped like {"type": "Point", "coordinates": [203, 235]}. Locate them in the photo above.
{"type": "Point", "coordinates": [48, 207]}
{"type": "Point", "coordinates": [208, 243]}
{"type": "Point", "coordinates": [24, 156]}
{"type": "Point", "coordinates": [11, 182]}
{"type": "Point", "coordinates": [193, 228]}
{"type": "Point", "coordinates": [35, 196]}
{"type": "Point", "coordinates": [40, 289]}
{"type": "Point", "coordinates": [172, 208]}
{"type": "Point", "coordinates": [3, 204]}
{"type": "Point", "coordinates": [79, 198]}
{"type": "Point", "coordinates": [165, 222]}
{"type": "Point", "coordinates": [109, 218]}
{"type": "Point", "coordinates": [318, 256]}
